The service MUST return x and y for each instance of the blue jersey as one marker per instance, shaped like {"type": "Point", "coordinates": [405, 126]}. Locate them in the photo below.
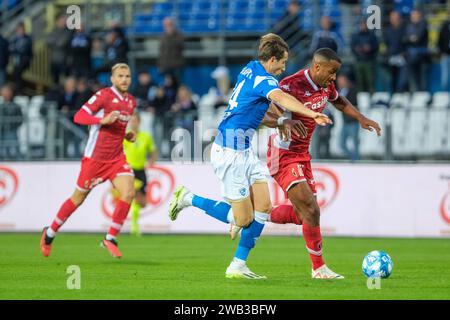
{"type": "Point", "coordinates": [247, 107]}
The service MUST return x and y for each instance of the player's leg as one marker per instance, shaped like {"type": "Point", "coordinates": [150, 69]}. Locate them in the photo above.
{"type": "Point", "coordinates": [140, 185]}
{"type": "Point", "coordinates": [65, 211]}
{"type": "Point", "coordinates": [261, 205]}
{"type": "Point", "coordinates": [304, 201]}
{"type": "Point", "coordinates": [124, 184]}
{"type": "Point", "coordinates": [284, 214]}
{"type": "Point", "coordinates": [183, 198]}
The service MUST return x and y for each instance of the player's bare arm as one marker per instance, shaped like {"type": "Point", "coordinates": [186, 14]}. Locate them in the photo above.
{"type": "Point", "coordinates": [292, 104]}
{"type": "Point", "coordinates": [285, 125]}
{"type": "Point", "coordinates": [346, 107]}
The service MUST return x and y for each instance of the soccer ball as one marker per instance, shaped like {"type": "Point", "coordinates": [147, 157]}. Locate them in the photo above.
{"type": "Point", "coordinates": [377, 264]}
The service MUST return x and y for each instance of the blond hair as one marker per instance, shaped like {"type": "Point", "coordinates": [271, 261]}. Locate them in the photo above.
{"type": "Point", "coordinates": [119, 66]}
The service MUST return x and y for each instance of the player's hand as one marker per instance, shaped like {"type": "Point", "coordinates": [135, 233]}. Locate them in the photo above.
{"type": "Point", "coordinates": [370, 125]}
{"type": "Point", "coordinates": [295, 126]}
{"type": "Point", "coordinates": [110, 117]}
{"type": "Point", "coordinates": [322, 119]}
{"type": "Point", "coordinates": [130, 136]}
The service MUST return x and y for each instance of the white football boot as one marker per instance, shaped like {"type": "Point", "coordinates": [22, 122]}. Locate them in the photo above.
{"type": "Point", "coordinates": [241, 271]}
{"type": "Point", "coordinates": [182, 198]}
{"type": "Point", "coordinates": [324, 272]}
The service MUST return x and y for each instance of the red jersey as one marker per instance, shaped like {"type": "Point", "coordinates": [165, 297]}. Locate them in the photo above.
{"type": "Point", "coordinates": [105, 143]}
{"type": "Point", "coordinates": [302, 87]}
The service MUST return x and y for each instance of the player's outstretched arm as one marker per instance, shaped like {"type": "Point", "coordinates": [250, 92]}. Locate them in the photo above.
{"type": "Point", "coordinates": [292, 104]}
{"type": "Point", "coordinates": [286, 126]}
{"type": "Point", "coordinates": [346, 107]}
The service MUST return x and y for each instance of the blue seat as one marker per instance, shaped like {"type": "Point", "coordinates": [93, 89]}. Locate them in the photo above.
{"type": "Point", "coordinates": [163, 7]}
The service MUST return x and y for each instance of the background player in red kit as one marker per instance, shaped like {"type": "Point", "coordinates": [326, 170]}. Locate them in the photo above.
{"type": "Point", "coordinates": [107, 113]}
{"type": "Point", "coordinates": [289, 159]}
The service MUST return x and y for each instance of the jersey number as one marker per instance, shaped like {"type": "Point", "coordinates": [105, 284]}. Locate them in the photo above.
{"type": "Point", "coordinates": [233, 99]}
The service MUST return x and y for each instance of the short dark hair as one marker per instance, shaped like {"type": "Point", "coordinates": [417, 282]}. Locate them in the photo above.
{"type": "Point", "coordinates": [327, 54]}
{"type": "Point", "coordinates": [272, 45]}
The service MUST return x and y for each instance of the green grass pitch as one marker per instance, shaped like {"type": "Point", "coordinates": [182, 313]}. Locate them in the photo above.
{"type": "Point", "coordinates": [179, 267]}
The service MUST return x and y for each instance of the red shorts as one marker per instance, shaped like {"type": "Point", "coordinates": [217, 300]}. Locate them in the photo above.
{"type": "Point", "coordinates": [288, 169]}
{"type": "Point", "coordinates": [95, 172]}
{"type": "Point", "coordinates": [290, 174]}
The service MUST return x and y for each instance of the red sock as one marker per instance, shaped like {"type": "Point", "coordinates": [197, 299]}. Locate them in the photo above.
{"type": "Point", "coordinates": [119, 216]}
{"type": "Point", "coordinates": [313, 240]}
{"type": "Point", "coordinates": [67, 208]}
{"type": "Point", "coordinates": [284, 214]}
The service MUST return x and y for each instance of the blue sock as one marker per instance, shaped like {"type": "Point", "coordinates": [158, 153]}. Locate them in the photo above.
{"type": "Point", "coordinates": [216, 209]}
{"type": "Point", "coordinates": [249, 235]}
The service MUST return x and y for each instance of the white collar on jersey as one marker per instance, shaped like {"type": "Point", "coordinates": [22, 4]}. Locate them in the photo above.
{"type": "Point", "coordinates": [117, 93]}
{"type": "Point", "coordinates": [311, 82]}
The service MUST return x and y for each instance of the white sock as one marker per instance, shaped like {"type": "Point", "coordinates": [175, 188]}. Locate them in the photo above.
{"type": "Point", "coordinates": [188, 197]}
{"type": "Point", "coordinates": [261, 217]}
{"type": "Point", "coordinates": [110, 237]}
{"type": "Point", "coordinates": [238, 262]}
{"type": "Point", "coordinates": [51, 233]}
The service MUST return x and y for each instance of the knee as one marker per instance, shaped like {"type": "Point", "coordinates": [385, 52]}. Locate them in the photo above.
{"type": "Point", "coordinates": [128, 195]}
{"type": "Point", "coordinates": [264, 207]}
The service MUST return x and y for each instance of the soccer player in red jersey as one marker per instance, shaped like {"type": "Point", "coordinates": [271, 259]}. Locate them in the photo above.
{"type": "Point", "coordinates": [289, 159]}
{"type": "Point", "coordinates": [107, 113]}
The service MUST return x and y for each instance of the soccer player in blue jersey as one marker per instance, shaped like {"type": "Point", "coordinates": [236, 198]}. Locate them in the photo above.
{"type": "Point", "coordinates": [243, 177]}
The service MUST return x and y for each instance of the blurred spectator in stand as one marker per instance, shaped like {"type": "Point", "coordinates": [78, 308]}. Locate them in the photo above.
{"type": "Point", "coordinates": [144, 90]}
{"type": "Point", "coordinates": [444, 49]}
{"type": "Point", "coordinates": [4, 58]}
{"type": "Point", "coordinates": [323, 136]}
{"type": "Point", "coordinates": [350, 128]}
{"type": "Point", "coordinates": [80, 54]}
{"type": "Point", "coordinates": [219, 95]}
{"type": "Point", "coordinates": [21, 54]}
{"type": "Point", "coordinates": [326, 37]}
{"type": "Point", "coordinates": [170, 88]}
{"type": "Point", "coordinates": [288, 26]}
{"type": "Point", "coordinates": [84, 93]}
{"type": "Point", "coordinates": [116, 50]}
{"type": "Point", "coordinates": [364, 45]}
{"type": "Point", "coordinates": [67, 98]}
{"type": "Point", "coordinates": [170, 57]}
{"type": "Point", "coordinates": [394, 38]}
{"type": "Point", "coordinates": [58, 43]}
{"type": "Point", "coordinates": [10, 120]}
{"type": "Point", "coordinates": [184, 110]}
{"type": "Point", "coordinates": [417, 50]}
{"type": "Point", "coordinates": [159, 106]}
{"type": "Point", "coordinates": [67, 105]}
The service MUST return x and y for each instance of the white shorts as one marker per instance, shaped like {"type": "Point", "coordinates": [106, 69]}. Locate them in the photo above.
{"type": "Point", "coordinates": [237, 171]}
